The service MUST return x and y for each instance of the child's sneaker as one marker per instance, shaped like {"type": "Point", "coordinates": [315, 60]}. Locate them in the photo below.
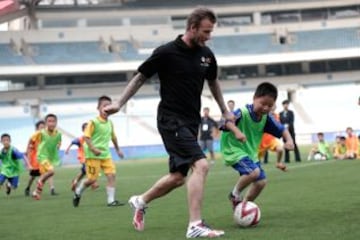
{"type": "Point", "coordinates": [53, 192]}
{"type": "Point", "coordinates": [8, 188]}
{"type": "Point", "coordinates": [203, 231]}
{"type": "Point", "coordinates": [27, 192]}
{"type": "Point", "coordinates": [234, 200]}
{"type": "Point", "coordinates": [139, 212]}
{"type": "Point", "coordinates": [76, 200]}
{"type": "Point", "coordinates": [115, 203]}
{"type": "Point", "coordinates": [37, 193]}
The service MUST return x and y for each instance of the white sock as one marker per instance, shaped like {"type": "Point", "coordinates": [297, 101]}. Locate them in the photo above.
{"type": "Point", "coordinates": [194, 223]}
{"type": "Point", "coordinates": [81, 187]}
{"type": "Point", "coordinates": [235, 192]}
{"type": "Point", "coordinates": [141, 201]}
{"type": "Point", "coordinates": [110, 194]}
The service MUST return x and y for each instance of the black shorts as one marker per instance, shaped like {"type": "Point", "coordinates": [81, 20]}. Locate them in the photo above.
{"type": "Point", "coordinates": [181, 144]}
{"type": "Point", "coordinates": [35, 173]}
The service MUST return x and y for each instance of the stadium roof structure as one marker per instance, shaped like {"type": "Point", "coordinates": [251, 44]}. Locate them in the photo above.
{"type": "Point", "coordinates": [222, 61]}
{"type": "Point", "coordinates": [8, 6]}
{"type": "Point", "coordinates": [11, 9]}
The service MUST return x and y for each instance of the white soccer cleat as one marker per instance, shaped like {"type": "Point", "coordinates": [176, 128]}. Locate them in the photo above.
{"type": "Point", "coordinates": [139, 212]}
{"type": "Point", "coordinates": [203, 231]}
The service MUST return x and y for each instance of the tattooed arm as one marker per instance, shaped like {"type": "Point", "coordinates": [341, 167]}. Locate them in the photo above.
{"type": "Point", "coordinates": [133, 86]}
{"type": "Point", "coordinates": [217, 94]}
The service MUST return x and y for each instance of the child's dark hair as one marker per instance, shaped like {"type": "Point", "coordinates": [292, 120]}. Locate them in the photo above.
{"type": "Point", "coordinates": [50, 115]}
{"type": "Point", "coordinates": [38, 123]}
{"type": "Point", "coordinates": [342, 138]}
{"type": "Point", "coordinates": [103, 98]}
{"type": "Point", "coordinates": [320, 134]}
{"type": "Point", "coordinates": [83, 126]}
{"type": "Point", "coordinates": [5, 135]}
{"type": "Point", "coordinates": [266, 89]}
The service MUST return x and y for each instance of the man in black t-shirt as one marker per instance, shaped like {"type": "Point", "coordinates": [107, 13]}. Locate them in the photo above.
{"type": "Point", "coordinates": [207, 126]}
{"type": "Point", "coordinates": [182, 65]}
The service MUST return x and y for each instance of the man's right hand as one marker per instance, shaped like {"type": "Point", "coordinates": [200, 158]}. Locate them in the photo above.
{"type": "Point", "coordinates": [111, 109]}
{"type": "Point", "coordinates": [229, 116]}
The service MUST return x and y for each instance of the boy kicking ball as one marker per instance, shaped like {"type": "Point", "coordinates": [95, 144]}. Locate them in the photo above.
{"type": "Point", "coordinates": [241, 139]}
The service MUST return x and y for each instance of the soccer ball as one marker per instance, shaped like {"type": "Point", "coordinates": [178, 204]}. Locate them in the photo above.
{"type": "Point", "coordinates": [318, 156]}
{"type": "Point", "coordinates": [247, 214]}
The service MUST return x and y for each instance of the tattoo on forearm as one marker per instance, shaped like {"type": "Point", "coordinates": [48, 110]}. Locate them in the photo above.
{"type": "Point", "coordinates": [216, 92]}
{"type": "Point", "coordinates": [135, 83]}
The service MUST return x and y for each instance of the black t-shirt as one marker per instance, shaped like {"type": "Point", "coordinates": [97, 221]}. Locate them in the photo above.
{"type": "Point", "coordinates": [182, 71]}
{"type": "Point", "coordinates": [206, 127]}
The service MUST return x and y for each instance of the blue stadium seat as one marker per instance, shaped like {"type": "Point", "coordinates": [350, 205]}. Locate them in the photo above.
{"type": "Point", "coordinates": [129, 52]}
{"type": "Point", "coordinates": [244, 44]}
{"type": "Point", "coordinates": [326, 39]}
{"type": "Point", "coordinates": [184, 3]}
{"type": "Point", "coordinates": [230, 45]}
{"type": "Point", "coordinates": [70, 52]}
{"type": "Point", "coordinates": [19, 128]}
{"type": "Point", "coordinates": [265, 43]}
{"type": "Point", "coordinates": [9, 57]}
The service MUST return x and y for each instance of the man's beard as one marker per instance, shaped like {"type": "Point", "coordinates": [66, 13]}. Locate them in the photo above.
{"type": "Point", "coordinates": [196, 43]}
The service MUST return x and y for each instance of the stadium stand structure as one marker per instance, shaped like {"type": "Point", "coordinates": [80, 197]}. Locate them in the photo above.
{"type": "Point", "coordinates": [18, 122]}
{"type": "Point", "coordinates": [160, 4]}
{"type": "Point", "coordinates": [68, 61]}
{"type": "Point", "coordinates": [229, 45]}
{"type": "Point", "coordinates": [9, 56]}
{"type": "Point", "coordinates": [69, 53]}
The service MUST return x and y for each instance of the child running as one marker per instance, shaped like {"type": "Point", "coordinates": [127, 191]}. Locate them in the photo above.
{"type": "Point", "coordinates": [34, 171]}
{"type": "Point", "coordinates": [49, 141]}
{"type": "Point", "coordinates": [12, 165]}
{"type": "Point", "coordinates": [98, 133]}
{"type": "Point", "coordinates": [271, 143]}
{"type": "Point", "coordinates": [241, 139]}
{"type": "Point", "coordinates": [79, 142]}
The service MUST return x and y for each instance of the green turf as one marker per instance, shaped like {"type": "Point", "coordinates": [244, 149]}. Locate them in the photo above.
{"type": "Point", "coordinates": [314, 200]}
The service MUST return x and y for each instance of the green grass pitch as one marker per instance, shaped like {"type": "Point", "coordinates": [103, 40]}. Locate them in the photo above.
{"type": "Point", "coordinates": [313, 200]}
